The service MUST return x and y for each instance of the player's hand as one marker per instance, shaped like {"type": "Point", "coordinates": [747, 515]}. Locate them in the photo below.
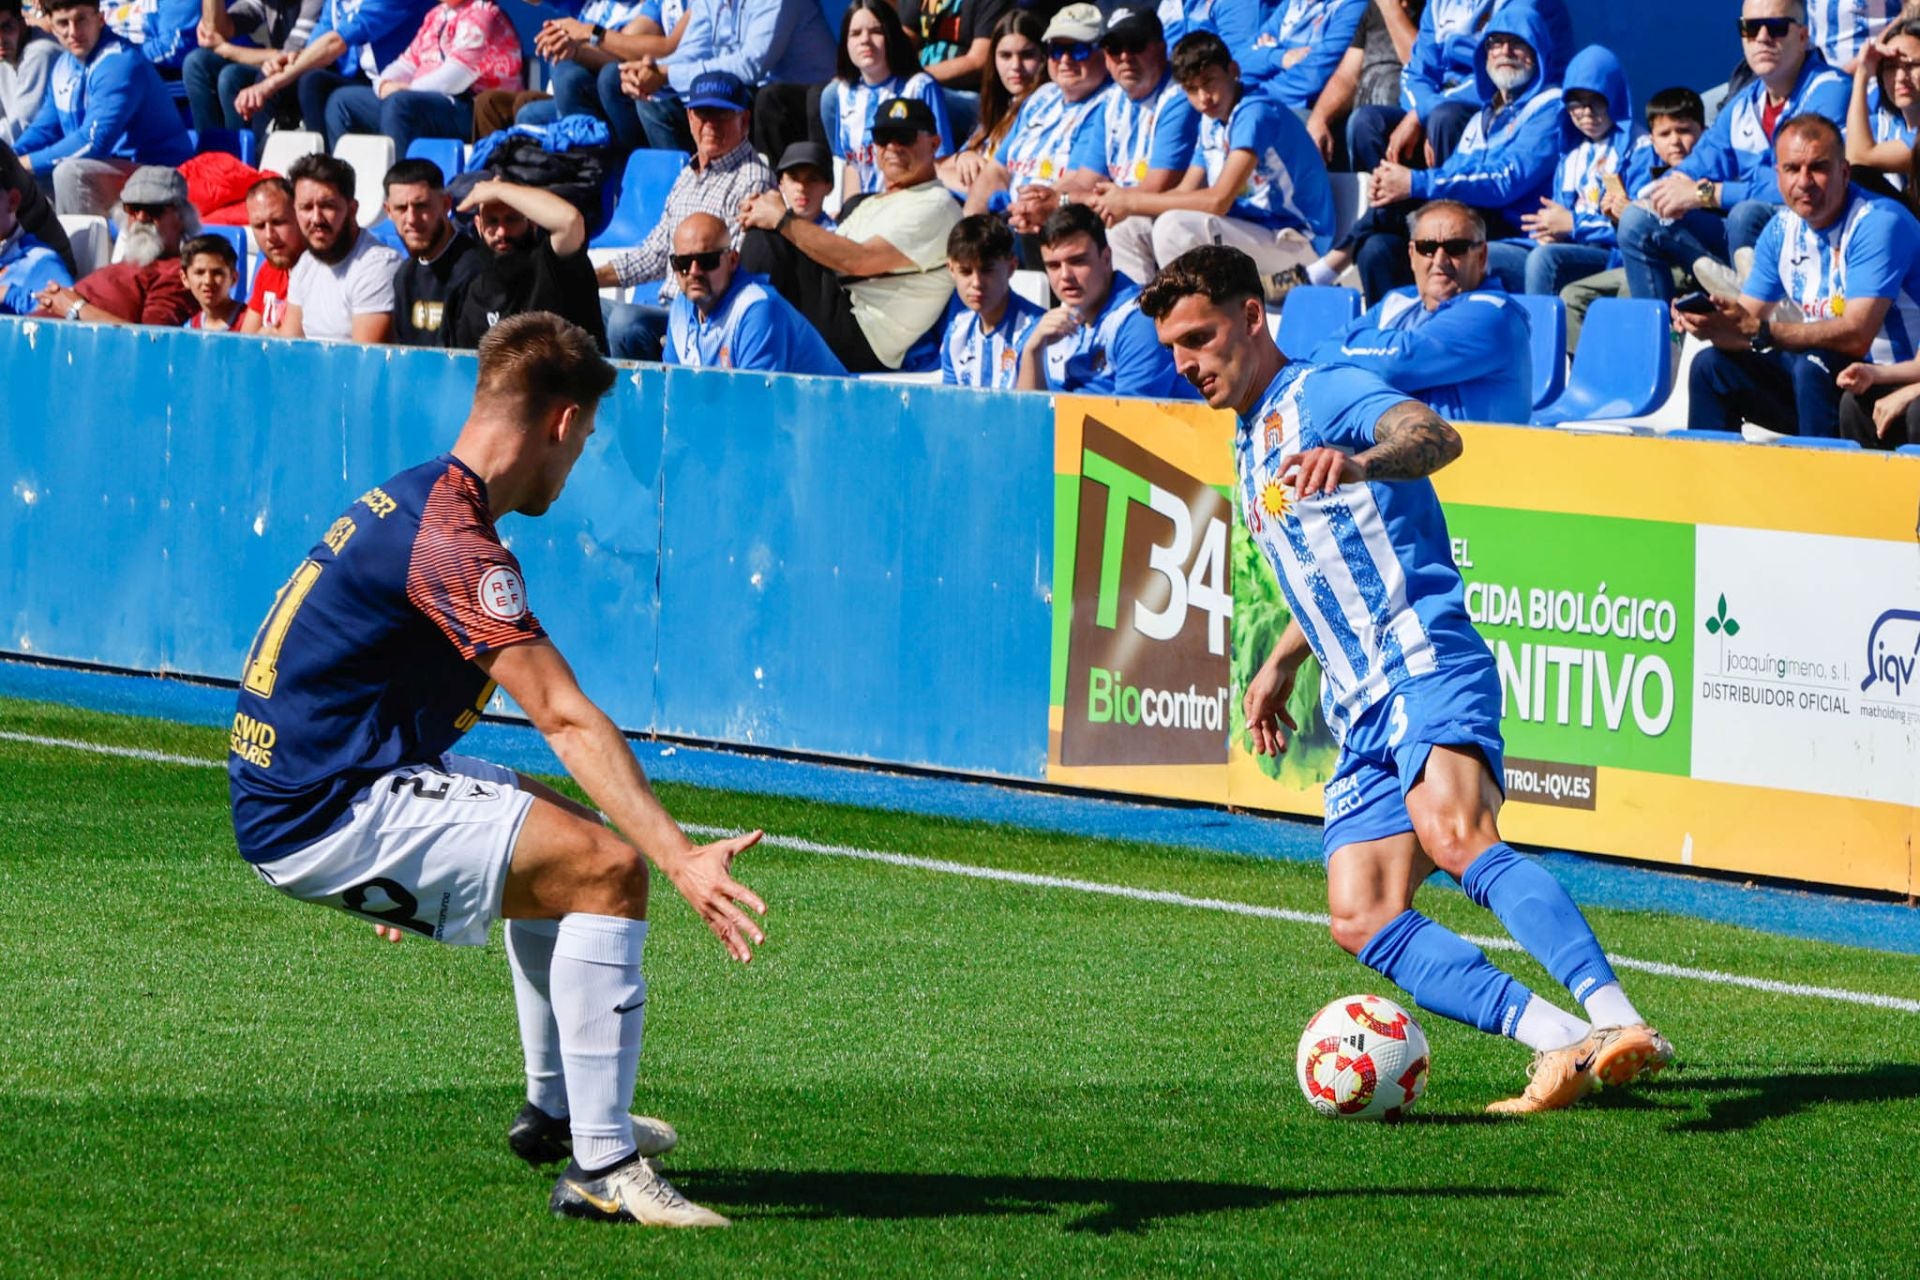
{"type": "Point", "coordinates": [704, 878]}
{"type": "Point", "coordinates": [1265, 705]}
{"type": "Point", "coordinates": [1321, 470]}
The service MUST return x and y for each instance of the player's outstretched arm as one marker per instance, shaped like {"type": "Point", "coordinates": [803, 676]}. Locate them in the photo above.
{"type": "Point", "coordinates": [1410, 441]}
{"type": "Point", "coordinates": [1265, 703]}
{"type": "Point", "coordinates": [537, 677]}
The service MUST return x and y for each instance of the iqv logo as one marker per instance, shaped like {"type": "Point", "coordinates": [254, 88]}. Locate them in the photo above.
{"type": "Point", "coordinates": [1893, 650]}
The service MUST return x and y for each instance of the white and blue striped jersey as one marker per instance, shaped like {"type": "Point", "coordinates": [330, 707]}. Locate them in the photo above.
{"type": "Point", "coordinates": [616, 14]}
{"type": "Point", "coordinates": [1888, 126]}
{"type": "Point", "coordinates": [1872, 250]}
{"type": "Point", "coordinates": [847, 113]}
{"type": "Point", "coordinates": [1840, 29]}
{"type": "Point", "coordinates": [972, 355]}
{"type": "Point", "coordinates": [1288, 186]}
{"type": "Point", "coordinates": [1368, 569]}
{"type": "Point", "coordinates": [1157, 131]}
{"type": "Point", "coordinates": [1052, 135]}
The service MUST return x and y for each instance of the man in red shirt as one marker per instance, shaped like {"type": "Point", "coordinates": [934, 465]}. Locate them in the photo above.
{"type": "Point", "coordinates": [276, 232]}
{"type": "Point", "coordinates": [145, 286]}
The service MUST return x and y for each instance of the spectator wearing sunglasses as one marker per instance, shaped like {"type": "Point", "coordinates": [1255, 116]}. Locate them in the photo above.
{"type": "Point", "coordinates": [1448, 341]}
{"type": "Point", "coordinates": [1257, 181]}
{"type": "Point", "coordinates": [1708, 212]}
{"type": "Point", "coordinates": [1297, 49]}
{"type": "Point", "coordinates": [144, 286]}
{"type": "Point", "coordinates": [726, 318]}
{"type": "Point", "coordinates": [1062, 127]}
{"type": "Point", "coordinates": [1502, 167]}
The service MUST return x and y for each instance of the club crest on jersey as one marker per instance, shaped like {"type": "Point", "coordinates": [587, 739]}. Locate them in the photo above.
{"type": "Point", "coordinates": [1271, 431]}
{"type": "Point", "coordinates": [502, 595]}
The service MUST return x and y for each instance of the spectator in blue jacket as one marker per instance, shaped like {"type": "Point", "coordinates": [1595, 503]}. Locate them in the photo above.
{"type": "Point", "coordinates": [1453, 340]}
{"type": "Point", "coordinates": [1237, 22]}
{"type": "Point", "coordinates": [105, 114]}
{"type": "Point", "coordinates": [169, 32]}
{"type": "Point", "coordinates": [1712, 206]}
{"type": "Point", "coordinates": [335, 56]}
{"type": "Point", "coordinates": [26, 265]}
{"type": "Point", "coordinates": [763, 42]}
{"type": "Point", "coordinates": [1844, 263]}
{"type": "Point", "coordinates": [1297, 49]}
{"type": "Point", "coordinates": [1570, 236]}
{"type": "Point", "coordinates": [726, 318]}
{"type": "Point", "coordinates": [1439, 87]}
{"type": "Point", "coordinates": [1097, 342]}
{"type": "Point", "coordinates": [1502, 167]}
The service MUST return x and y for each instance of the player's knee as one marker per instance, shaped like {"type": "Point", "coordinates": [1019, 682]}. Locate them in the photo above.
{"type": "Point", "coordinates": [1352, 931]}
{"type": "Point", "coordinates": [616, 879]}
{"type": "Point", "coordinates": [1452, 839]}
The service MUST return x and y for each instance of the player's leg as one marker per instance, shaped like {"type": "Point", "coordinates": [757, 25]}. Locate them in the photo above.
{"type": "Point", "coordinates": [571, 866]}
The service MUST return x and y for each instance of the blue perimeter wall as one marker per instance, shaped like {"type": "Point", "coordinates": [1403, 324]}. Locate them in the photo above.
{"type": "Point", "coordinates": [850, 568]}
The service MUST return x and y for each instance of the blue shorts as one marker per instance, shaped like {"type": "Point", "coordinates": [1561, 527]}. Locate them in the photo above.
{"type": "Point", "coordinates": [1388, 746]}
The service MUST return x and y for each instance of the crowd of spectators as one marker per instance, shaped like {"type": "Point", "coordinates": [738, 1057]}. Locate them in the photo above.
{"type": "Point", "coordinates": [859, 202]}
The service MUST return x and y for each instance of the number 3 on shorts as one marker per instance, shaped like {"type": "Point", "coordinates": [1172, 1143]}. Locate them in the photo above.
{"type": "Point", "coordinates": [1397, 719]}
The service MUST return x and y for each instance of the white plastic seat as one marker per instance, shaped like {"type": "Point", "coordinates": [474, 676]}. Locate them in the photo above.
{"type": "Point", "coordinates": [92, 244]}
{"type": "Point", "coordinates": [370, 155]}
{"type": "Point", "coordinates": [284, 146]}
{"type": "Point", "coordinates": [600, 258]}
{"type": "Point", "coordinates": [1032, 285]}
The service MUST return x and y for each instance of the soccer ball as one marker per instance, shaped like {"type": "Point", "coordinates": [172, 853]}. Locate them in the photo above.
{"type": "Point", "coordinates": [1362, 1058]}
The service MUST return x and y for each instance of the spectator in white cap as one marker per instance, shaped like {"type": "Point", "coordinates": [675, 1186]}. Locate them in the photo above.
{"type": "Point", "coordinates": [144, 286]}
{"type": "Point", "coordinates": [1062, 126]}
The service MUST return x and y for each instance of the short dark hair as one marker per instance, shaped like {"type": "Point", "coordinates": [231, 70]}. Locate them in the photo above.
{"type": "Point", "coordinates": [537, 358]}
{"type": "Point", "coordinates": [60, 6]}
{"type": "Point", "coordinates": [272, 182]}
{"type": "Point", "coordinates": [1073, 220]}
{"type": "Point", "coordinates": [318, 166]}
{"type": "Point", "coordinates": [414, 173]}
{"type": "Point", "coordinates": [213, 246]}
{"type": "Point", "coordinates": [978, 239]}
{"type": "Point", "coordinates": [1679, 102]}
{"type": "Point", "coordinates": [1807, 123]}
{"type": "Point", "coordinates": [1219, 273]}
{"type": "Point", "coordinates": [1197, 51]}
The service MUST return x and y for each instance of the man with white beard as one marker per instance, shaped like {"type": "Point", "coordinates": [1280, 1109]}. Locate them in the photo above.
{"type": "Point", "coordinates": [144, 287]}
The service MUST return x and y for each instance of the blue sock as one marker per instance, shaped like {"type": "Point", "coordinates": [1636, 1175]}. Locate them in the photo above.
{"type": "Point", "coordinates": [1541, 917]}
{"type": "Point", "coordinates": [1445, 973]}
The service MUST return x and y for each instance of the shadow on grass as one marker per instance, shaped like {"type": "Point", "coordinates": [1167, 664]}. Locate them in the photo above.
{"type": "Point", "coordinates": [1112, 1204]}
{"type": "Point", "coordinates": [1754, 1099]}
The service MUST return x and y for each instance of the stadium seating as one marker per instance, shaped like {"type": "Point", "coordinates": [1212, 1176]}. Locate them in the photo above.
{"type": "Point", "coordinates": [241, 242]}
{"type": "Point", "coordinates": [1312, 313]}
{"type": "Point", "coordinates": [643, 196]}
{"type": "Point", "coordinates": [284, 146]}
{"type": "Point", "coordinates": [1624, 366]}
{"type": "Point", "coordinates": [1547, 316]}
{"type": "Point", "coordinates": [1819, 442]}
{"type": "Point", "coordinates": [1349, 198]}
{"type": "Point", "coordinates": [239, 143]}
{"type": "Point", "coordinates": [449, 153]}
{"type": "Point", "coordinates": [371, 155]}
{"type": "Point", "coordinates": [1032, 285]}
{"type": "Point", "coordinates": [92, 244]}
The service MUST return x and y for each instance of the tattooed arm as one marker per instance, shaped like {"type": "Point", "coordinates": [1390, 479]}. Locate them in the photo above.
{"type": "Point", "coordinates": [1410, 441]}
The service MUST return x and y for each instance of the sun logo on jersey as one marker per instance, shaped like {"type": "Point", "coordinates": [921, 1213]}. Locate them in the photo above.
{"type": "Point", "coordinates": [1274, 501]}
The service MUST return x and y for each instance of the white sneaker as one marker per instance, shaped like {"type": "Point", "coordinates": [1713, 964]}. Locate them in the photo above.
{"type": "Point", "coordinates": [1717, 278]}
{"type": "Point", "coordinates": [634, 1192]}
{"type": "Point", "coordinates": [1742, 265]}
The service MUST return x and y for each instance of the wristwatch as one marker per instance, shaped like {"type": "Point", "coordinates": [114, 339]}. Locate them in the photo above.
{"type": "Point", "coordinates": [79, 305]}
{"type": "Point", "coordinates": [1709, 193]}
{"type": "Point", "coordinates": [1762, 340]}
{"type": "Point", "coordinates": [599, 34]}
{"type": "Point", "coordinates": [786, 216]}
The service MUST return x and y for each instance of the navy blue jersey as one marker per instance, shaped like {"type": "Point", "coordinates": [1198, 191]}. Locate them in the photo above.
{"type": "Point", "coordinates": [365, 662]}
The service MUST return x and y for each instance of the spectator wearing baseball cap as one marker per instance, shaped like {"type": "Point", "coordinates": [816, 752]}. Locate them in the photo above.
{"type": "Point", "coordinates": [723, 172]}
{"type": "Point", "coordinates": [876, 65]}
{"type": "Point", "coordinates": [805, 174]}
{"type": "Point", "coordinates": [1149, 138]}
{"type": "Point", "coordinates": [1298, 47]}
{"type": "Point", "coordinates": [878, 284]}
{"type": "Point", "coordinates": [1061, 127]}
{"type": "Point", "coordinates": [145, 286]}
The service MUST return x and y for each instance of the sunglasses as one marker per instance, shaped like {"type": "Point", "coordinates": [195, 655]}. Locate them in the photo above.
{"type": "Point", "coordinates": [709, 260]}
{"type": "Point", "coordinates": [895, 137]}
{"type": "Point", "coordinates": [1122, 47]}
{"type": "Point", "coordinates": [1079, 51]}
{"type": "Point", "coordinates": [1456, 248]}
{"type": "Point", "coordinates": [153, 212]}
{"type": "Point", "coordinates": [1750, 28]}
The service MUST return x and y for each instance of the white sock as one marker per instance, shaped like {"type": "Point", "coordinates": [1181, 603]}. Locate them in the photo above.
{"type": "Point", "coordinates": [1608, 1006]}
{"type": "Point", "coordinates": [530, 956]}
{"type": "Point", "coordinates": [599, 1003]}
{"type": "Point", "coordinates": [1318, 272]}
{"type": "Point", "coordinates": [1545, 1027]}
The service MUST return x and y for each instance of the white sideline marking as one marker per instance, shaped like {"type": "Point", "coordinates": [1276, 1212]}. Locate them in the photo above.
{"type": "Point", "coordinates": [1712, 977]}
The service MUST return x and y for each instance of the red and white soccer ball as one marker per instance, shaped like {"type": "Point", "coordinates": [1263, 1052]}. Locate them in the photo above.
{"type": "Point", "coordinates": [1362, 1058]}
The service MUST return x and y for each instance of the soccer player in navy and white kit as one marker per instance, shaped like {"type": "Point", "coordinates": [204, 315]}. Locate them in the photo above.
{"type": "Point", "coordinates": [1332, 476]}
{"type": "Point", "coordinates": [380, 651]}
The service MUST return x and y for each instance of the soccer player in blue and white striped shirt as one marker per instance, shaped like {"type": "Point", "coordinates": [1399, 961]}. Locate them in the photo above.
{"type": "Point", "coordinates": [1333, 468]}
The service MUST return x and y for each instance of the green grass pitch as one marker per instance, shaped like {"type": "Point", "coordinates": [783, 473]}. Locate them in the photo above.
{"type": "Point", "coordinates": [921, 1074]}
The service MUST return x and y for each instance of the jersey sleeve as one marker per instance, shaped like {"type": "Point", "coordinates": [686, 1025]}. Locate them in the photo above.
{"type": "Point", "coordinates": [469, 586]}
{"type": "Point", "coordinates": [1345, 404]}
{"type": "Point", "coordinates": [1881, 251]}
{"type": "Point", "coordinates": [1763, 281]}
{"type": "Point", "coordinates": [1175, 130]}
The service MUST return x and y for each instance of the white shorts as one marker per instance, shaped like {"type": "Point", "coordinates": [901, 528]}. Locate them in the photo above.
{"type": "Point", "coordinates": [425, 848]}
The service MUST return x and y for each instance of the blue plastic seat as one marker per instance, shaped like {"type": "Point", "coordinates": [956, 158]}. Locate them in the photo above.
{"type": "Point", "coordinates": [1706, 437]}
{"type": "Point", "coordinates": [1311, 314]}
{"type": "Point", "coordinates": [643, 197]}
{"type": "Point", "coordinates": [1912, 450]}
{"type": "Point", "coordinates": [449, 153]}
{"type": "Point", "coordinates": [1624, 367]}
{"type": "Point", "coordinates": [239, 143]}
{"type": "Point", "coordinates": [1819, 442]}
{"type": "Point", "coordinates": [238, 238]}
{"type": "Point", "coordinates": [1548, 317]}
